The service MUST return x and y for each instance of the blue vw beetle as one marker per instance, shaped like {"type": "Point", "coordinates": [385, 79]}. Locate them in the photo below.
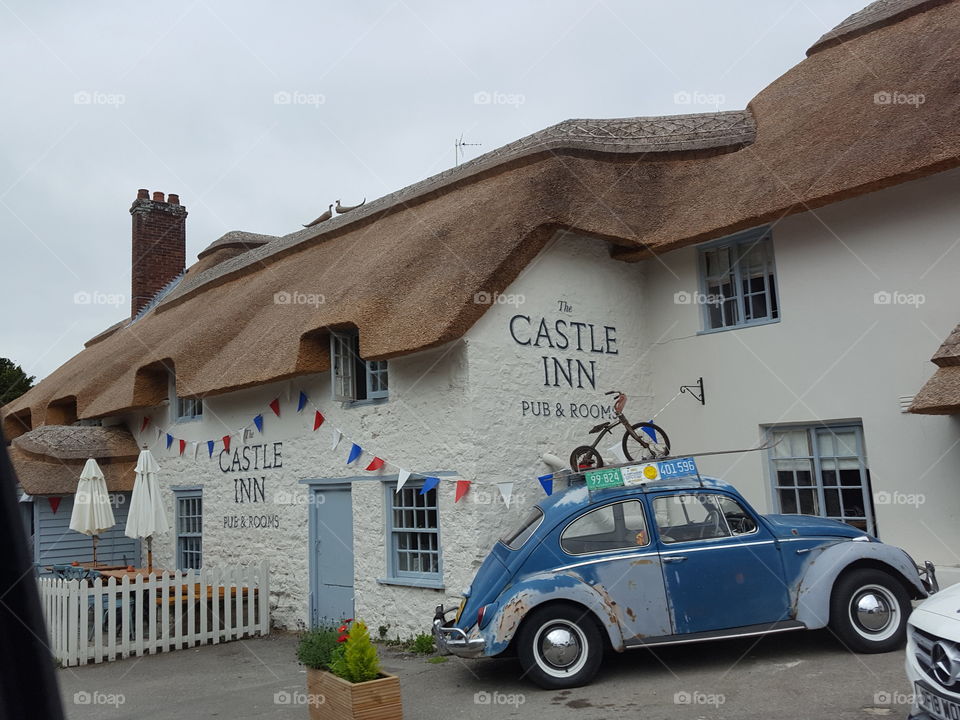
{"type": "Point", "coordinates": [642, 556]}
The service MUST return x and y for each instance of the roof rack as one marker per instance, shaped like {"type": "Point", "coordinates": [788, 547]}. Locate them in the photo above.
{"type": "Point", "coordinates": [581, 476]}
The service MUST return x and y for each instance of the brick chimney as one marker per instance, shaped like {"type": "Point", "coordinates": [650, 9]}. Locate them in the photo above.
{"type": "Point", "coordinates": [159, 245]}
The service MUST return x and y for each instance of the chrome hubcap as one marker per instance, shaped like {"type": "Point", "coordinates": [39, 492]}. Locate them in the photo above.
{"type": "Point", "coordinates": [873, 610]}
{"type": "Point", "coordinates": [560, 647]}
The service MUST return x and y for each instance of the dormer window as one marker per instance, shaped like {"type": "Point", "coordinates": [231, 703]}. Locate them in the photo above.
{"type": "Point", "coordinates": [355, 379]}
{"type": "Point", "coordinates": [184, 408]}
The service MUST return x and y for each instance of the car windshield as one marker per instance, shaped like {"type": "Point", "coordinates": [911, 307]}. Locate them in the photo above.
{"type": "Point", "coordinates": [516, 539]}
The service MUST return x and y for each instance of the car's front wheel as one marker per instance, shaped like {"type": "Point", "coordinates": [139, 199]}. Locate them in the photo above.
{"type": "Point", "coordinates": [869, 611]}
{"type": "Point", "coordinates": [560, 646]}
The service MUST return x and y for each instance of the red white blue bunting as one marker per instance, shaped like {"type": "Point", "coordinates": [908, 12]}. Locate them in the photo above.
{"type": "Point", "coordinates": [356, 452]}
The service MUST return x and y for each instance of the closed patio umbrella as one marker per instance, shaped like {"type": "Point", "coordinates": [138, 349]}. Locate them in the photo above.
{"type": "Point", "coordinates": [92, 513]}
{"type": "Point", "coordinates": [146, 515]}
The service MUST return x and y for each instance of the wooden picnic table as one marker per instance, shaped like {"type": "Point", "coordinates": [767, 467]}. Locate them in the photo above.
{"type": "Point", "coordinates": [100, 566]}
{"type": "Point", "coordinates": [186, 593]}
{"type": "Point", "coordinates": [121, 572]}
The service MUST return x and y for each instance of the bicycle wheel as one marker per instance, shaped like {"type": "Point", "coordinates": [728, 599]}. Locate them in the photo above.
{"type": "Point", "coordinates": [657, 444]}
{"type": "Point", "coordinates": [585, 458]}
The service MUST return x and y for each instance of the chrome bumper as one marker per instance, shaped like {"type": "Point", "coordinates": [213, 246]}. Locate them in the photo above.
{"type": "Point", "coordinates": [452, 640]}
{"type": "Point", "coordinates": [928, 576]}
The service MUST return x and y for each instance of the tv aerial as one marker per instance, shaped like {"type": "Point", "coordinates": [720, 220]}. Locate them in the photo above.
{"type": "Point", "coordinates": [458, 146]}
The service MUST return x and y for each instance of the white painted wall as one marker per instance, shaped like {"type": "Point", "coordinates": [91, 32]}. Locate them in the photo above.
{"type": "Point", "coordinates": [835, 355]}
{"type": "Point", "coordinates": [408, 430]}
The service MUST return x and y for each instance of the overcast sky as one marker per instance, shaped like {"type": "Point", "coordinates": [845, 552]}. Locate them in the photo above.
{"type": "Point", "coordinates": [261, 114]}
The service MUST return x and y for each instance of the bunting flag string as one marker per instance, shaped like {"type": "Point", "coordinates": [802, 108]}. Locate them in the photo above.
{"type": "Point", "coordinates": [356, 450]}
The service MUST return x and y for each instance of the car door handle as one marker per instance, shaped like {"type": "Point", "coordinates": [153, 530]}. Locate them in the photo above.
{"type": "Point", "coordinates": [801, 551]}
{"type": "Point", "coordinates": [674, 558]}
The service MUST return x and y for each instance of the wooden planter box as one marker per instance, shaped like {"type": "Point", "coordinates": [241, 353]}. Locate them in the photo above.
{"type": "Point", "coordinates": [372, 700]}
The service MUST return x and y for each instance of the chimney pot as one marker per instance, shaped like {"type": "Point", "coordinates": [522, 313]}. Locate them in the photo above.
{"type": "Point", "coordinates": [159, 245]}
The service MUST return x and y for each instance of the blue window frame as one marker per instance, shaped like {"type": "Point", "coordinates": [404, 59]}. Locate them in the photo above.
{"type": "Point", "coordinates": [184, 408]}
{"type": "Point", "coordinates": [189, 514]}
{"type": "Point", "coordinates": [738, 281]}
{"type": "Point", "coordinates": [822, 470]}
{"type": "Point", "coordinates": [413, 535]}
{"type": "Point", "coordinates": [355, 379]}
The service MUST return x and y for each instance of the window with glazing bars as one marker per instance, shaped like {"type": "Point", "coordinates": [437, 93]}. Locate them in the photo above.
{"type": "Point", "coordinates": [414, 531]}
{"type": "Point", "coordinates": [189, 408]}
{"type": "Point", "coordinates": [822, 470]}
{"type": "Point", "coordinates": [189, 529]}
{"type": "Point", "coordinates": [184, 408]}
{"type": "Point", "coordinates": [738, 281]}
{"type": "Point", "coordinates": [353, 377]}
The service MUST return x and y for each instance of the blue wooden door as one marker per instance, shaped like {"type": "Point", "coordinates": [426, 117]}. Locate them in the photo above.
{"type": "Point", "coordinates": [331, 548]}
{"type": "Point", "coordinates": [722, 568]}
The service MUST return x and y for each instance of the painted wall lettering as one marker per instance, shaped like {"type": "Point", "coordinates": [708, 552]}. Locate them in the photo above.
{"type": "Point", "coordinates": [268, 456]}
{"type": "Point", "coordinates": [253, 522]}
{"type": "Point", "coordinates": [564, 335]}
{"type": "Point", "coordinates": [555, 370]}
{"type": "Point", "coordinates": [572, 352]}
{"type": "Point", "coordinates": [577, 411]}
{"type": "Point", "coordinates": [249, 490]}
{"type": "Point", "coordinates": [564, 368]}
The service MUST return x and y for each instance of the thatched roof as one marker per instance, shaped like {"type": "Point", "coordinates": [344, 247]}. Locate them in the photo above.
{"type": "Point", "coordinates": [40, 475]}
{"type": "Point", "coordinates": [873, 16]}
{"type": "Point", "coordinates": [941, 394]}
{"type": "Point", "coordinates": [78, 442]}
{"type": "Point", "coordinates": [236, 239]}
{"type": "Point", "coordinates": [404, 269]}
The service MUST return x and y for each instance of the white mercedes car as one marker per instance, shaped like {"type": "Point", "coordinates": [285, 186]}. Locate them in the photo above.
{"type": "Point", "coordinates": [933, 656]}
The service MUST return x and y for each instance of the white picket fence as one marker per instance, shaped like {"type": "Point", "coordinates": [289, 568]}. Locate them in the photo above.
{"type": "Point", "coordinates": [103, 620]}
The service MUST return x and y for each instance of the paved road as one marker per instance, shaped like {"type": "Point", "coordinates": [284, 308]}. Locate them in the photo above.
{"type": "Point", "coordinates": [795, 675]}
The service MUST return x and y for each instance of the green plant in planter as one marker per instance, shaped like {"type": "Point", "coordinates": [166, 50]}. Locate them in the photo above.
{"type": "Point", "coordinates": [357, 661]}
{"type": "Point", "coordinates": [317, 647]}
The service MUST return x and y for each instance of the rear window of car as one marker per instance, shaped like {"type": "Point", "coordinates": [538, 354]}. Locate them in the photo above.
{"type": "Point", "coordinates": [516, 539]}
{"type": "Point", "coordinates": [620, 526]}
